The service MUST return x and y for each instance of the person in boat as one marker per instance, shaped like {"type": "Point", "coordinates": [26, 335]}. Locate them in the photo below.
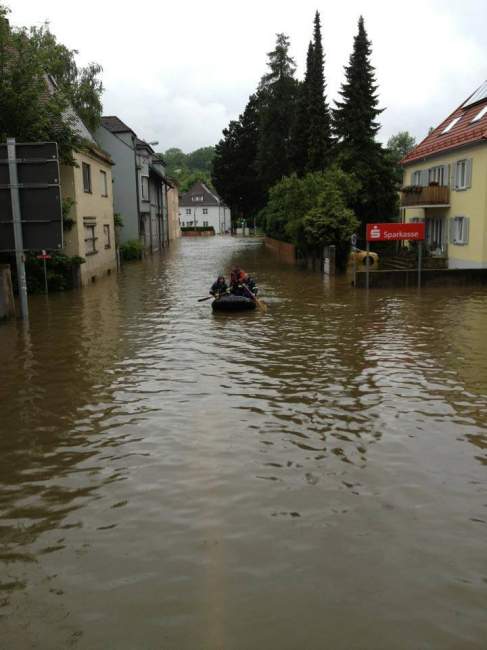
{"type": "Point", "coordinates": [219, 287]}
{"type": "Point", "coordinates": [241, 283]}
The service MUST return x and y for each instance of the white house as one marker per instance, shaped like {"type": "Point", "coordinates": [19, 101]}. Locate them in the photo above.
{"type": "Point", "coordinates": [200, 206]}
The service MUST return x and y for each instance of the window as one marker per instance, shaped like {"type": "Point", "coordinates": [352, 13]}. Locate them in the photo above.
{"type": "Point", "coordinates": [461, 176]}
{"type": "Point", "coordinates": [450, 126]}
{"type": "Point", "coordinates": [437, 175]}
{"type": "Point", "coordinates": [459, 231]}
{"type": "Point", "coordinates": [188, 210]}
{"type": "Point", "coordinates": [197, 197]}
{"type": "Point", "coordinates": [145, 188]}
{"type": "Point", "coordinates": [480, 114]}
{"type": "Point", "coordinates": [188, 224]}
{"type": "Point", "coordinates": [106, 236]}
{"type": "Point", "coordinates": [416, 178]}
{"type": "Point", "coordinates": [205, 223]}
{"type": "Point", "coordinates": [86, 177]}
{"type": "Point", "coordinates": [205, 210]}
{"type": "Point", "coordinates": [90, 236]}
{"type": "Point", "coordinates": [104, 184]}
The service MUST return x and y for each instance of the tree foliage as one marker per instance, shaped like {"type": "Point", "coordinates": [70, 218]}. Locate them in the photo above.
{"type": "Point", "coordinates": [319, 140]}
{"type": "Point", "coordinates": [28, 110]}
{"type": "Point", "coordinates": [189, 168]}
{"type": "Point", "coordinates": [398, 146]}
{"type": "Point", "coordinates": [277, 96]}
{"type": "Point", "coordinates": [234, 173]}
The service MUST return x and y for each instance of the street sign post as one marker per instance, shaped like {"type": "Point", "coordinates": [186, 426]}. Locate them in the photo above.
{"type": "Point", "coordinates": [30, 203]}
{"type": "Point", "coordinates": [44, 257]}
{"type": "Point", "coordinates": [396, 232]}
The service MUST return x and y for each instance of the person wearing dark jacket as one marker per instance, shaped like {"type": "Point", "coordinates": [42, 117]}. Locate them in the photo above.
{"type": "Point", "coordinates": [219, 287]}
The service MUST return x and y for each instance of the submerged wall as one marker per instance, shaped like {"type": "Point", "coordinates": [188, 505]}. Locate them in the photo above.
{"type": "Point", "coordinates": [429, 277]}
{"type": "Point", "coordinates": [285, 250]}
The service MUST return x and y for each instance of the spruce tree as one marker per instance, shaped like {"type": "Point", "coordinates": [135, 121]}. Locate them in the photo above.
{"type": "Point", "coordinates": [319, 123]}
{"type": "Point", "coordinates": [277, 103]}
{"type": "Point", "coordinates": [355, 125]}
{"type": "Point", "coordinates": [355, 118]}
{"type": "Point", "coordinates": [300, 127]}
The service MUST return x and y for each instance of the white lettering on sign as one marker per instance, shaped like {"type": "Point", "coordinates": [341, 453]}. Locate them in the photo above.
{"type": "Point", "coordinates": [375, 232]}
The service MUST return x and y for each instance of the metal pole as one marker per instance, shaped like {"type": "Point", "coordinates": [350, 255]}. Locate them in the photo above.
{"type": "Point", "coordinates": [367, 267]}
{"type": "Point", "coordinates": [420, 255]}
{"type": "Point", "coordinates": [17, 224]}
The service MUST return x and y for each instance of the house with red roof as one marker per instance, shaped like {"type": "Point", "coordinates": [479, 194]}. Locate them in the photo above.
{"type": "Point", "coordinates": [445, 185]}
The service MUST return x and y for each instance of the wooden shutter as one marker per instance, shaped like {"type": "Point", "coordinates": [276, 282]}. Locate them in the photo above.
{"type": "Point", "coordinates": [468, 172]}
{"type": "Point", "coordinates": [454, 176]}
{"type": "Point", "coordinates": [451, 229]}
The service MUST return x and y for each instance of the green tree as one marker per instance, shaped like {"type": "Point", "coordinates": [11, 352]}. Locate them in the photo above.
{"type": "Point", "coordinates": [27, 111]}
{"type": "Point", "coordinates": [81, 86]}
{"type": "Point", "coordinates": [277, 95]}
{"type": "Point", "coordinates": [201, 159]}
{"type": "Point", "coordinates": [234, 172]}
{"type": "Point", "coordinates": [299, 135]}
{"type": "Point", "coordinates": [355, 123]}
{"type": "Point", "coordinates": [319, 123]}
{"type": "Point", "coordinates": [397, 147]}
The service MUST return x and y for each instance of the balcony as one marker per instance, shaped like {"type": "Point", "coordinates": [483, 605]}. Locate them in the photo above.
{"type": "Point", "coordinates": [432, 196]}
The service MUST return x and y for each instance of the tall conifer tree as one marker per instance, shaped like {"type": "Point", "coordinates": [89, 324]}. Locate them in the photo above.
{"type": "Point", "coordinates": [355, 125]}
{"type": "Point", "coordinates": [277, 104]}
{"type": "Point", "coordinates": [355, 118]}
{"type": "Point", "coordinates": [300, 127]}
{"type": "Point", "coordinates": [319, 123]}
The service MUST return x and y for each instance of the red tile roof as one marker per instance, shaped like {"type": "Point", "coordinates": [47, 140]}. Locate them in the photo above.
{"type": "Point", "coordinates": [462, 133]}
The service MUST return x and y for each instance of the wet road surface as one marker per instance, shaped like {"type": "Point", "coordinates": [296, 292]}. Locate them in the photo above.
{"type": "Point", "coordinates": [312, 477]}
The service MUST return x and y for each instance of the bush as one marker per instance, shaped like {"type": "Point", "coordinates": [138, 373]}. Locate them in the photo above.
{"type": "Point", "coordinates": [198, 229]}
{"type": "Point", "coordinates": [131, 250]}
{"type": "Point", "coordinates": [62, 272]}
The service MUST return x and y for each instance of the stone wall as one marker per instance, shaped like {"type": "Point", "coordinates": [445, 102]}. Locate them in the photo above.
{"type": "Point", "coordinates": [285, 251]}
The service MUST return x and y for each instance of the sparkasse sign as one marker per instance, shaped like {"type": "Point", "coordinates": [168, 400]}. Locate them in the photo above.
{"type": "Point", "coordinates": [395, 231]}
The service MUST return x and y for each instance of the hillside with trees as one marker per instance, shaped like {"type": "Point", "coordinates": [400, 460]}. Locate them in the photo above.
{"type": "Point", "coordinates": [188, 168]}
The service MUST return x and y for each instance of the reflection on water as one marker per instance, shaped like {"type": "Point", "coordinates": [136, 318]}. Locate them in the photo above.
{"type": "Point", "coordinates": [310, 477]}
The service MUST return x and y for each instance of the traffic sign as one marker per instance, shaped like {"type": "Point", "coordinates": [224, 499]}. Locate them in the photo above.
{"type": "Point", "coordinates": [395, 231]}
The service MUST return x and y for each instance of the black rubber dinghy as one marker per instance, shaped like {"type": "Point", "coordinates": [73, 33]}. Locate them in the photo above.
{"type": "Point", "coordinates": [233, 303]}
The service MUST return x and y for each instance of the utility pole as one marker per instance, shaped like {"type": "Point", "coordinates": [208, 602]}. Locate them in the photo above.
{"type": "Point", "coordinates": [17, 225]}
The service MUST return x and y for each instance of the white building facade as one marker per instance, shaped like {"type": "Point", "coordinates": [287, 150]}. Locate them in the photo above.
{"type": "Point", "coordinates": [202, 207]}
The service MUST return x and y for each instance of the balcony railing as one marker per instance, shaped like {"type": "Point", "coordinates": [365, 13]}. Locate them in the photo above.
{"type": "Point", "coordinates": [416, 196]}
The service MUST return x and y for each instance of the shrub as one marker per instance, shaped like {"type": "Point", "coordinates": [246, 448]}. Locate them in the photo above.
{"type": "Point", "coordinates": [62, 272]}
{"type": "Point", "coordinates": [132, 250]}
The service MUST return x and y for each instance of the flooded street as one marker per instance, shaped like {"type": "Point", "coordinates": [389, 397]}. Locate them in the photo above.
{"type": "Point", "coordinates": [313, 477]}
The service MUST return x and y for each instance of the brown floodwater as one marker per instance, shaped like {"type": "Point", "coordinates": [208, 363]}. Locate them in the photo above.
{"type": "Point", "coordinates": [314, 477]}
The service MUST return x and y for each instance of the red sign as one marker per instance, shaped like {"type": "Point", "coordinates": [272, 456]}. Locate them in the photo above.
{"type": "Point", "coordinates": [43, 256]}
{"type": "Point", "coordinates": [395, 231]}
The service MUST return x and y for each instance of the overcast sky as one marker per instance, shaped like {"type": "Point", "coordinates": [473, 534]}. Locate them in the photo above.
{"type": "Point", "coordinates": [177, 72]}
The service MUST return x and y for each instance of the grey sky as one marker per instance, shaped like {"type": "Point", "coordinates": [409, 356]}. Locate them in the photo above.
{"type": "Point", "coordinates": [177, 72]}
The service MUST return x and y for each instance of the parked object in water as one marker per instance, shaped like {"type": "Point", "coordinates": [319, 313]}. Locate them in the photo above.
{"type": "Point", "coordinates": [362, 258]}
{"type": "Point", "coordinates": [230, 302]}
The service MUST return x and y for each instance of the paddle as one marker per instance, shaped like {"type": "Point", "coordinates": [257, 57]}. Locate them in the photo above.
{"type": "Point", "coordinates": [207, 298]}
{"type": "Point", "coordinates": [258, 302]}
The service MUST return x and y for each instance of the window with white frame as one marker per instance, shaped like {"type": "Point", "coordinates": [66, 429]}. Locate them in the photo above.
{"type": "Point", "coordinates": [197, 197]}
{"type": "Point", "coordinates": [106, 235]}
{"type": "Point", "coordinates": [145, 188]}
{"type": "Point", "coordinates": [460, 231]}
{"type": "Point", "coordinates": [205, 223]}
{"type": "Point", "coordinates": [90, 236]}
{"type": "Point", "coordinates": [205, 210]}
{"type": "Point", "coordinates": [188, 210]}
{"type": "Point", "coordinates": [416, 178]}
{"type": "Point", "coordinates": [461, 174]}
{"type": "Point", "coordinates": [86, 169]}
{"type": "Point", "coordinates": [437, 175]}
{"type": "Point", "coordinates": [104, 183]}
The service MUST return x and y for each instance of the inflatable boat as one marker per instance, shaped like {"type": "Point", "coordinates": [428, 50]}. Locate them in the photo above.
{"type": "Point", "coordinates": [230, 302]}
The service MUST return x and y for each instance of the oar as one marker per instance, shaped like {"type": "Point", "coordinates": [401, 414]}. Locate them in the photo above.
{"type": "Point", "coordinates": [203, 299]}
{"type": "Point", "coordinates": [258, 302]}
